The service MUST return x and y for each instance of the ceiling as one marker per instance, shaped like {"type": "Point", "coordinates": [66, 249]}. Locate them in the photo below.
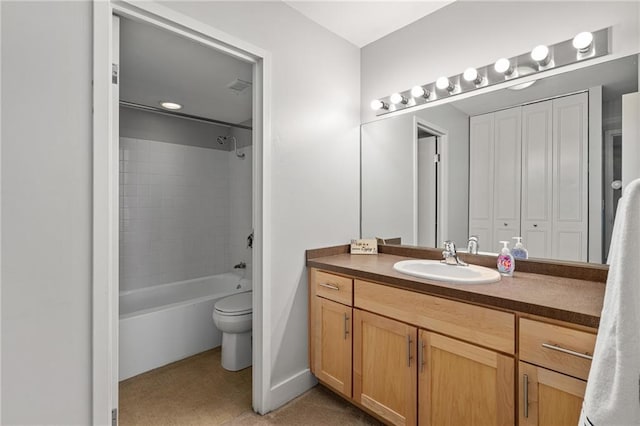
{"type": "Point", "coordinates": [157, 65]}
{"type": "Point", "coordinates": [362, 22]}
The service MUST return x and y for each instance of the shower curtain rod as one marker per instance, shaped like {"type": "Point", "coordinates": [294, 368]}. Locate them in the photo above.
{"type": "Point", "coordinates": [133, 105]}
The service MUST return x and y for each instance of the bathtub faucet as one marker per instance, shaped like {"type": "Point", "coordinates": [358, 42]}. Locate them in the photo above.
{"type": "Point", "coordinates": [240, 265]}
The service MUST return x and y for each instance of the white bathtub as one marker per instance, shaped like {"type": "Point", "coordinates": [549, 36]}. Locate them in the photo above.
{"type": "Point", "coordinates": [166, 323]}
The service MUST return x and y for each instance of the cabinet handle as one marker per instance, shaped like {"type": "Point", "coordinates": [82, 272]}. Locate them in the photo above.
{"type": "Point", "coordinates": [525, 393]}
{"type": "Point", "coordinates": [346, 326]}
{"type": "Point", "coordinates": [535, 225]}
{"type": "Point", "coordinates": [330, 286]}
{"type": "Point", "coordinates": [567, 351]}
{"type": "Point", "coordinates": [409, 350]}
{"type": "Point", "coordinates": [506, 224]}
{"type": "Point", "coordinates": [421, 360]}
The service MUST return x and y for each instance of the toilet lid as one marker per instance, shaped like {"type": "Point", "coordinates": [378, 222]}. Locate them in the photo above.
{"type": "Point", "coordinates": [237, 304]}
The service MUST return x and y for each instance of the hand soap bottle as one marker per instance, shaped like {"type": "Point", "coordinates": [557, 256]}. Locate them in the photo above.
{"type": "Point", "coordinates": [506, 263]}
{"type": "Point", "coordinates": [519, 252]}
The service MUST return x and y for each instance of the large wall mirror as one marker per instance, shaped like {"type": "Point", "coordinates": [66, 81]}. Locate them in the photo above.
{"type": "Point", "coordinates": [540, 160]}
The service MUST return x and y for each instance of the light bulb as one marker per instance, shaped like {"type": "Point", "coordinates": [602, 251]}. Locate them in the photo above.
{"type": "Point", "coordinates": [471, 75]}
{"type": "Point", "coordinates": [443, 83]}
{"type": "Point", "coordinates": [377, 104]}
{"type": "Point", "coordinates": [503, 66]}
{"type": "Point", "coordinates": [397, 98]}
{"type": "Point", "coordinates": [419, 92]}
{"type": "Point", "coordinates": [170, 105]}
{"type": "Point", "coordinates": [583, 41]}
{"type": "Point", "coordinates": [540, 54]}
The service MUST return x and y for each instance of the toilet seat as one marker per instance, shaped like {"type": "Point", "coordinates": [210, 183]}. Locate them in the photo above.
{"type": "Point", "coordinates": [238, 304]}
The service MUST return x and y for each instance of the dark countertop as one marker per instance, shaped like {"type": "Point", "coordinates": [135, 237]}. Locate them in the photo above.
{"type": "Point", "coordinates": [577, 301]}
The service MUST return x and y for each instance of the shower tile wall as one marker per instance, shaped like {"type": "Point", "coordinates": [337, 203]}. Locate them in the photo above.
{"type": "Point", "coordinates": [174, 212]}
{"type": "Point", "coordinates": [240, 198]}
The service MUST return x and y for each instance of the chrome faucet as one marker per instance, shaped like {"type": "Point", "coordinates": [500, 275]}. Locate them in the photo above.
{"type": "Point", "coordinates": [472, 245]}
{"type": "Point", "coordinates": [450, 256]}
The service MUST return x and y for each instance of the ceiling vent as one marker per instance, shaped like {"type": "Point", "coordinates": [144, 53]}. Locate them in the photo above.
{"type": "Point", "coordinates": [239, 86]}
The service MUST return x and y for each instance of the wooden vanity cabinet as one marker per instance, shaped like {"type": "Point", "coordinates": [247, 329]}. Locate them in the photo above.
{"type": "Point", "coordinates": [463, 384]}
{"type": "Point", "coordinates": [331, 330]}
{"type": "Point", "coordinates": [384, 367]}
{"type": "Point", "coordinates": [427, 360]}
{"type": "Point", "coordinates": [553, 369]}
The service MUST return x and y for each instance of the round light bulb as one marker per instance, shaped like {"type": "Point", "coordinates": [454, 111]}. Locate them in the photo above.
{"type": "Point", "coordinates": [418, 92]}
{"type": "Point", "coordinates": [397, 98]}
{"type": "Point", "coordinates": [170, 105]}
{"type": "Point", "coordinates": [443, 83]}
{"type": "Point", "coordinates": [377, 104]}
{"type": "Point", "coordinates": [540, 53]}
{"type": "Point", "coordinates": [470, 74]}
{"type": "Point", "coordinates": [502, 66]}
{"type": "Point", "coordinates": [583, 41]}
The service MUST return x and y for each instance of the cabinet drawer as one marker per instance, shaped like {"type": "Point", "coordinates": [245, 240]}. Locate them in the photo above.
{"type": "Point", "coordinates": [475, 324]}
{"type": "Point", "coordinates": [332, 287]}
{"type": "Point", "coordinates": [556, 347]}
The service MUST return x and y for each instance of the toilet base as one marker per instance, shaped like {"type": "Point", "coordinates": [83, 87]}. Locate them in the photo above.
{"type": "Point", "coordinates": [236, 351]}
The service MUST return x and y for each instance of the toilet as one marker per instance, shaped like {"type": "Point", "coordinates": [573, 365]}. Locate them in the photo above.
{"type": "Point", "coordinates": [232, 315]}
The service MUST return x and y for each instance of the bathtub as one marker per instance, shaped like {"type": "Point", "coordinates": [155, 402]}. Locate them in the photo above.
{"type": "Point", "coordinates": [169, 322]}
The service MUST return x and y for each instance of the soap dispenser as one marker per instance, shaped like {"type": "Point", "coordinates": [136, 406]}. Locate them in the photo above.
{"type": "Point", "coordinates": [506, 263]}
{"type": "Point", "coordinates": [519, 252]}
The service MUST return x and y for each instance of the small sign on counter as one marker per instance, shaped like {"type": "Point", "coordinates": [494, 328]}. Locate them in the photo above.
{"type": "Point", "coordinates": [364, 246]}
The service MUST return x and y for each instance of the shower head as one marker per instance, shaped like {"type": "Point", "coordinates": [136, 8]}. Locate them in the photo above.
{"type": "Point", "coordinates": [221, 139]}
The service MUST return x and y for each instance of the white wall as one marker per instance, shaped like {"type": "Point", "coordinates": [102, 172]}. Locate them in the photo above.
{"type": "Point", "coordinates": [46, 190]}
{"type": "Point", "coordinates": [46, 213]}
{"type": "Point", "coordinates": [315, 119]}
{"type": "Point", "coordinates": [476, 33]}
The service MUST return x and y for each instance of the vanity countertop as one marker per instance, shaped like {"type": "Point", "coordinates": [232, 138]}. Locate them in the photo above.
{"type": "Point", "coordinates": [577, 301]}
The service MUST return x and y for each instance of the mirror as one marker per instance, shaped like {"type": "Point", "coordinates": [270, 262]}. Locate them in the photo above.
{"type": "Point", "coordinates": [477, 166]}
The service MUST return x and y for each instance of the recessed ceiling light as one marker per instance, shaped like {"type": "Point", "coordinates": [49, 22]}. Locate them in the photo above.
{"type": "Point", "coordinates": [170, 105]}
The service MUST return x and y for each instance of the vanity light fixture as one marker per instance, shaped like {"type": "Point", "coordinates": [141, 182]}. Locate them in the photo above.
{"type": "Point", "coordinates": [584, 46]}
{"type": "Point", "coordinates": [503, 66]}
{"type": "Point", "coordinates": [583, 42]}
{"type": "Point", "coordinates": [443, 83]}
{"type": "Point", "coordinates": [397, 98]}
{"type": "Point", "coordinates": [377, 105]}
{"type": "Point", "coordinates": [471, 75]}
{"type": "Point", "coordinates": [541, 55]}
{"type": "Point", "coordinates": [420, 92]}
{"type": "Point", "coordinates": [170, 105]}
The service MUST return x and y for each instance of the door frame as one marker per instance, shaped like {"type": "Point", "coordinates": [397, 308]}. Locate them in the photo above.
{"type": "Point", "coordinates": [105, 236]}
{"type": "Point", "coordinates": [442, 136]}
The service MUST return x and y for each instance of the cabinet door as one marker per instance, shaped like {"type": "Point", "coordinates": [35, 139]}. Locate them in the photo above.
{"type": "Point", "coordinates": [481, 179]}
{"type": "Point", "coordinates": [384, 367]}
{"type": "Point", "coordinates": [507, 171]}
{"type": "Point", "coordinates": [548, 398]}
{"type": "Point", "coordinates": [463, 384]}
{"type": "Point", "coordinates": [537, 193]}
{"type": "Point", "coordinates": [331, 354]}
{"type": "Point", "coordinates": [570, 220]}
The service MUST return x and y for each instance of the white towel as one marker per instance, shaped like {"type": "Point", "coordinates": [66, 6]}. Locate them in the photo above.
{"type": "Point", "coordinates": [613, 390]}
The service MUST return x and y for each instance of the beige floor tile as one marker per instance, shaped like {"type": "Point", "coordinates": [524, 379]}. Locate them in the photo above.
{"type": "Point", "coordinates": [198, 391]}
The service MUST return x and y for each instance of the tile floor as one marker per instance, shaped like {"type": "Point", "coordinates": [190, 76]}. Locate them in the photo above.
{"type": "Point", "coordinates": [198, 391]}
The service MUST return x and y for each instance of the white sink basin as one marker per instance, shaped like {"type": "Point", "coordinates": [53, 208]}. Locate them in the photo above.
{"type": "Point", "coordinates": [435, 270]}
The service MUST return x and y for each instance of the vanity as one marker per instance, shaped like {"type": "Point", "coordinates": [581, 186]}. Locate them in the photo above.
{"type": "Point", "coordinates": [415, 351]}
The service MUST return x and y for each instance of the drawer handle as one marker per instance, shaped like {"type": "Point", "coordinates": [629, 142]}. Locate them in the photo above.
{"type": "Point", "coordinates": [567, 351]}
{"type": "Point", "coordinates": [330, 286]}
{"type": "Point", "coordinates": [346, 326]}
{"type": "Point", "coordinates": [525, 393]}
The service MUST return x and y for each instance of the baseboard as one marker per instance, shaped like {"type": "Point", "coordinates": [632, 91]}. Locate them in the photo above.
{"type": "Point", "coordinates": [290, 388]}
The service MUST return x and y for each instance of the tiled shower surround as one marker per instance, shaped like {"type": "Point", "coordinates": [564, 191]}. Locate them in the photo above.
{"type": "Point", "coordinates": [185, 212]}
